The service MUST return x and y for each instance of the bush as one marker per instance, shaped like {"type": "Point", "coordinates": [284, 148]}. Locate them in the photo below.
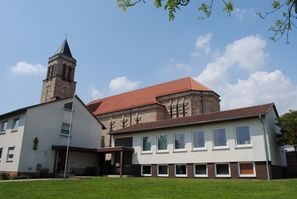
{"type": "Point", "coordinates": [4, 176]}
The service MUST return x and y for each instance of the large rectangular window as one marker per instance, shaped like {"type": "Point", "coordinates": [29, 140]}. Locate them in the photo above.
{"type": "Point", "coordinates": [162, 143]}
{"type": "Point", "coordinates": [65, 129]}
{"type": "Point", "coordinates": [181, 170]}
{"type": "Point", "coordinates": [146, 144]}
{"type": "Point", "coordinates": [146, 170]}
{"type": "Point", "coordinates": [200, 170]}
{"type": "Point", "coordinates": [15, 124]}
{"type": "Point", "coordinates": [162, 170]}
{"type": "Point", "coordinates": [222, 170]}
{"type": "Point", "coordinates": [219, 136]}
{"type": "Point", "coordinates": [198, 140]}
{"type": "Point", "coordinates": [10, 154]}
{"type": "Point", "coordinates": [243, 135]}
{"type": "Point", "coordinates": [179, 142]}
{"type": "Point", "coordinates": [3, 126]}
{"type": "Point", "coordinates": [246, 169]}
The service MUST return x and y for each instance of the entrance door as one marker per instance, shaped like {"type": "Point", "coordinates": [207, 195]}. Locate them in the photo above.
{"type": "Point", "coordinates": [61, 161]}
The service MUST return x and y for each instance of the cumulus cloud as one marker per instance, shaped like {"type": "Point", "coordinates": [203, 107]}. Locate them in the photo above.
{"type": "Point", "coordinates": [248, 54]}
{"type": "Point", "coordinates": [261, 87]}
{"type": "Point", "coordinates": [242, 13]}
{"type": "Point", "coordinates": [94, 92]}
{"type": "Point", "coordinates": [23, 68]}
{"type": "Point", "coordinates": [122, 84]}
{"type": "Point", "coordinates": [202, 44]}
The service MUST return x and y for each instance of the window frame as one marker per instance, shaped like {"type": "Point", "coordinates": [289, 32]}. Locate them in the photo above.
{"type": "Point", "coordinates": [181, 149]}
{"type": "Point", "coordinates": [13, 128]}
{"type": "Point", "coordinates": [2, 130]}
{"type": "Point", "coordinates": [65, 134]}
{"type": "Point", "coordinates": [201, 175]}
{"type": "Point", "coordinates": [246, 175]}
{"type": "Point", "coordinates": [180, 175]}
{"type": "Point", "coordinates": [222, 175]}
{"type": "Point", "coordinates": [142, 174]}
{"type": "Point", "coordinates": [148, 151]}
{"type": "Point", "coordinates": [1, 153]}
{"type": "Point", "coordinates": [193, 140]}
{"type": "Point", "coordinates": [162, 150]}
{"type": "Point", "coordinates": [213, 139]}
{"type": "Point", "coordinates": [163, 175]}
{"type": "Point", "coordinates": [242, 145]}
{"type": "Point", "coordinates": [8, 159]}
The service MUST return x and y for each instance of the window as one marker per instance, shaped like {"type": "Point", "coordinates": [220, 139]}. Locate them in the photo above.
{"type": "Point", "coordinates": [198, 139]}
{"type": "Point", "coordinates": [179, 141]}
{"type": "Point", "coordinates": [222, 170]}
{"type": "Point", "coordinates": [162, 170]}
{"type": "Point", "coordinates": [243, 135]}
{"type": "Point", "coordinates": [64, 72]}
{"type": "Point", "coordinates": [15, 124]}
{"type": "Point", "coordinates": [200, 170]}
{"type": "Point", "coordinates": [219, 136]}
{"type": "Point", "coordinates": [246, 169]}
{"type": "Point", "coordinates": [10, 154]}
{"type": "Point", "coordinates": [69, 74]}
{"type": "Point", "coordinates": [68, 106]}
{"type": "Point", "coordinates": [65, 129]}
{"type": "Point", "coordinates": [3, 127]}
{"type": "Point", "coordinates": [1, 149]}
{"type": "Point", "coordinates": [146, 170]}
{"type": "Point", "coordinates": [162, 143]}
{"type": "Point", "coordinates": [146, 144]}
{"type": "Point", "coordinates": [181, 170]}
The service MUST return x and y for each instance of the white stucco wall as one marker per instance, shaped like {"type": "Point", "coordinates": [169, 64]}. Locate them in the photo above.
{"type": "Point", "coordinates": [11, 138]}
{"type": "Point", "coordinates": [255, 152]}
{"type": "Point", "coordinates": [45, 123]}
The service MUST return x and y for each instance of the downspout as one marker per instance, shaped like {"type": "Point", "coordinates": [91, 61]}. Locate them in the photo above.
{"type": "Point", "coordinates": [266, 148]}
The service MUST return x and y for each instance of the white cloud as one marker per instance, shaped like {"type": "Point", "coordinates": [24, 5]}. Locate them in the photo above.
{"type": "Point", "coordinates": [174, 67]}
{"type": "Point", "coordinates": [242, 13]}
{"type": "Point", "coordinates": [94, 92]}
{"type": "Point", "coordinates": [23, 68]}
{"type": "Point", "coordinates": [203, 43]}
{"type": "Point", "coordinates": [259, 87]}
{"type": "Point", "coordinates": [122, 84]}
{"type": "Point", "coordinates": [246, 53]}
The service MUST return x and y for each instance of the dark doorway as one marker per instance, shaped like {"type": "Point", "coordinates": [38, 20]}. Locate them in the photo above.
{"type": "Point", "coordinates": [61, 161]}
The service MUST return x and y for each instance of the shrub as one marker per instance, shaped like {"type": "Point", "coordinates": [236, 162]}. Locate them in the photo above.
{"type": "Point", "coordinates": [4, 176]}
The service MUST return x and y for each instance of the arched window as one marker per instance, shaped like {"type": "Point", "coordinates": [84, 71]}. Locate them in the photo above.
{"type": "Point", "coordinates": [52, 70]}
{"type": "Point", "coordinates": [69, 74]}
{"type": "Point", "coordinates": [64, 72]}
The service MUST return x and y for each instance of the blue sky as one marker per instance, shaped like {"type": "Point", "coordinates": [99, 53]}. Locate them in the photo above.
{"type": "Point", "coordinates": [118, 51]}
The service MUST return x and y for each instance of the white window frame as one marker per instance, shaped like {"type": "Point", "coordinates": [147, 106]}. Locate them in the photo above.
{"type": "Point", "coordinates": [213, 139]}
{"type": "Point", "coordinates": [142, 174]}
{"type": "Point", "coordinates": [246, 175]}
{"type": "Point", "coordinates": [198, 148]}
{"type": "Point", "coordinates": [2, 130]}
{"type": "Point", "coordinates": [201, 175]}
{"type": "Point", "coordinates": [243, 145]}
{"type": "Point", "coordinates": [157, 146]}
{"type": "Point", "coordinates": [149, 138]}
{"type": "Point", "coordinates": [180, 175]}
{"type": "Point", "coordinates": [222, 175]}
{"type": "Point", "coordinates": [183, 149]}
{"type": "Point", "coordinates": [163, 175]}
{"type": "Point", "coordinates": [9, 150]}
{"type": "Point", "coordinates": [13, 128]}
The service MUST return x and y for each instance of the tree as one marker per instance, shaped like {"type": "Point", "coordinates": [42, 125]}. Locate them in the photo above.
{"type": "Point", "coordinates": [288, 125]}
{"type": "Point", "coordinates": [285, 22]}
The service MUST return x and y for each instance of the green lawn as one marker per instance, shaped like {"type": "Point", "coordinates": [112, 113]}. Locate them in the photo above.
{"type": "Point", "coordinates": [134, 188]}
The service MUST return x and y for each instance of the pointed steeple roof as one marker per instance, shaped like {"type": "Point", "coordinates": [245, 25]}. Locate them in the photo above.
{"type": "Point", "coordinates": [64, 49]}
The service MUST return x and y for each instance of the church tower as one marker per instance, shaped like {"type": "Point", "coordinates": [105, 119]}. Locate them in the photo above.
{"type": "Point", "coordinates": [59, 82]}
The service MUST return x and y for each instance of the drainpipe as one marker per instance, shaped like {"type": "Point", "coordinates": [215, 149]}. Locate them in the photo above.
{"type": "Point", "coordinates": [266, 148]}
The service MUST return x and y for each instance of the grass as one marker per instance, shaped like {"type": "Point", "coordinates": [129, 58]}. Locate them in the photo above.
{"type": "Point", "coordinates": [109, 188]}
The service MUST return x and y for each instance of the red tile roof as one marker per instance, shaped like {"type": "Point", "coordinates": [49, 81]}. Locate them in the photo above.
{"type": "Point", "coordinates": [144, 96]}
{"type": "Point", "coordinates": [234, 114]}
